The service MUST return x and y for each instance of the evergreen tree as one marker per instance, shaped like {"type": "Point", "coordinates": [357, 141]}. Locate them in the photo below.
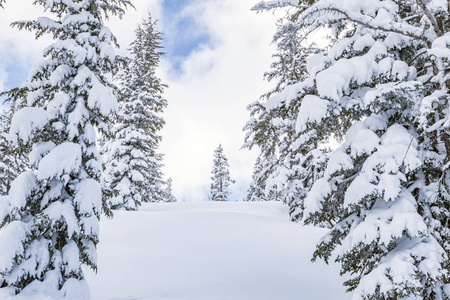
{"type": "Point", "coordinates": [256, 191]}
{"type": "Point", "coordinates": [169, 197]}
{"type": "Point", "coordinates": [380, 88]}
{"type": "Point", "coordinates": [12, 160]}
{"type": "Point", "coordinates": [133, 167]}
{"type": "Point", "coordinates": [49, 220]}
{"type": "Point", "coordinates": [7, 163]}
{"type": "Point", "coordinates": [261, 187]}
{"type": "Point", "coordinates": [12, 163]}
{"type": "Point", "coordinates": [155, 188]}
{"type": "Point", "coordinates": [221, 179]}
{"type": "Point", "coordinates": [295, 160]}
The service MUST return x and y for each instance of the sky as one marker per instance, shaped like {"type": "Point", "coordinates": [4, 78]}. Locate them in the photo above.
{"type": "Point", "coordinates": [216, 54]}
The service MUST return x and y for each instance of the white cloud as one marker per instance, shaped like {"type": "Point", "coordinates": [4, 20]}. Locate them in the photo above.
{"type": "Point", "coordinates": [207, 102]}
{"type": "Point", "coordinates": [3, 77]}
{"type": "Point", "coordinates": [181, 32]}
{"type": "Point", "coordinates": [19, 49]}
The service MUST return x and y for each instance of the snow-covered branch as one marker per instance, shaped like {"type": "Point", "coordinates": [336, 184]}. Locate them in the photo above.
{"type": "Point", "coordinates": [331, 14]}
{"type": "Point", "coordinates": [430, 17]}
{"type": "Point", "coordinates": [268, 5]}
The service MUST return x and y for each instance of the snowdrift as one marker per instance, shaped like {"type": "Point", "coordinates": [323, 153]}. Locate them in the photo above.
{"type": "Point", "coordinates": [208, 251]}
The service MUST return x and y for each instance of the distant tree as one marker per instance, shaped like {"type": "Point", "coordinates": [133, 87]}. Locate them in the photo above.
{"type": "Point", "coordinates": [169, 197]}
{"type": "Point", "coordinates": [221, 179]}
{"type": "Point", "coordinates": [261, 188]}
{"type": "Point", "coordinates": [49, 221]}
{"type": "Point", "coordinates": [155, 188]}
{"type": "Point", "coordinates": [256, 191]}
{"type": "Point", "coordinates": [133, 167]}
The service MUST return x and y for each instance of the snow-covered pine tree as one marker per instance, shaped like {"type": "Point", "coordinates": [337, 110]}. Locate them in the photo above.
{"type": "Point", "coordinates": [7, 165]}
{"type": "Point", "coordinates": [13, 161]}
{"type": "Point", "coordinates": [259, 190]}
{"type": "Point", "coordinates": [295, 161]}
{"type": "Point", "coordinates": [169, 197]}
{"type": "Point", "coordinates": [221, 179]}
{"type": "Point", "coordinates": [155, 188]}
{"type": "Point", "coordinates": [382, 90]}
{"type": "Point", "coordinates": [49, 221]}
{"type": "Point", "coordinates": [133, 168]}
{"type": "Point", "coordinates": [256, 191]}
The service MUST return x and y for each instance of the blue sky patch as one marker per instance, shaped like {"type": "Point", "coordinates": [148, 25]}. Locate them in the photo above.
{"type": "Point", "coordinates": [17, 74]}
{"type": "Point", "coordinates": [182, 34]}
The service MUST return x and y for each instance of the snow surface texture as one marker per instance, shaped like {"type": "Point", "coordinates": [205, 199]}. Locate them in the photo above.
{"type": "Point", "coordinates": [210, 250]}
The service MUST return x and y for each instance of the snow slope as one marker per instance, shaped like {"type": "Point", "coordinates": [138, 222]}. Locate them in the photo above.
{"type": "Point", "coordinates": [208, 251]}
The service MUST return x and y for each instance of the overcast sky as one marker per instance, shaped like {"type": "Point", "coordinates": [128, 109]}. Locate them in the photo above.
{"type": "Point", "coordinates": [216, 54]}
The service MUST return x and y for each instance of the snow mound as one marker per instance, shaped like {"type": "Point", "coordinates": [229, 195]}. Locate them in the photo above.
{"type": "Point", "coordinates": [210, 250]}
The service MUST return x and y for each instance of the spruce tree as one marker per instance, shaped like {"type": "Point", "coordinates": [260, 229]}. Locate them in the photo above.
{"type": "Point", "coordinates": [133, 167]}
{"type": "Point", "coordinates": [295, 160]}
{"type": "Point", "coordinates": [256, 191]}
{"type": "Point", "coordinates": [13, 161]}
{"type": "Point", "coordinates": [49, 221]}
{"type": "Point", "coordinates": [380, 88]}
{"type": "Point", "coordinates": [262, 187]}
{"type": "Point", "coordinates": [7, 163]}
{"type": "Point", "coordinates": [169, 197]}
{"type": "Point", "coordinates": [221, 179]}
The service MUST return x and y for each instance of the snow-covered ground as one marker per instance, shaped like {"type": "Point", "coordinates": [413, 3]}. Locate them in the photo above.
{"type": "Point", "coordinates": [209, 251]}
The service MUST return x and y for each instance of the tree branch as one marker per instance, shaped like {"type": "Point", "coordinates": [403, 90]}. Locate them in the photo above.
{"type": "Point", "coordinates": [273, 4]}
{"type": "Point", "coordinates": [431, 17]}
{"type": "Point", "coordinates": [378, 27]}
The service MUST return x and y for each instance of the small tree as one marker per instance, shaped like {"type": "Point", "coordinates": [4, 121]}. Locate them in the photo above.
{"type": "Point", "coordinates": [256, 191]}
{"type": "Point", "coordinates": [169, 197]}
{"type": "Point", "coordinates": [133, 168]}
{"type": "Point", "coordinates": [221, 179]}
{"type": "Point", "coordinates": [262, 188]}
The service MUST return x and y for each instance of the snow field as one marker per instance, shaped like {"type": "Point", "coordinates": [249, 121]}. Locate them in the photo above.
{"type": "Point", "coordinates": [208, 251]}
